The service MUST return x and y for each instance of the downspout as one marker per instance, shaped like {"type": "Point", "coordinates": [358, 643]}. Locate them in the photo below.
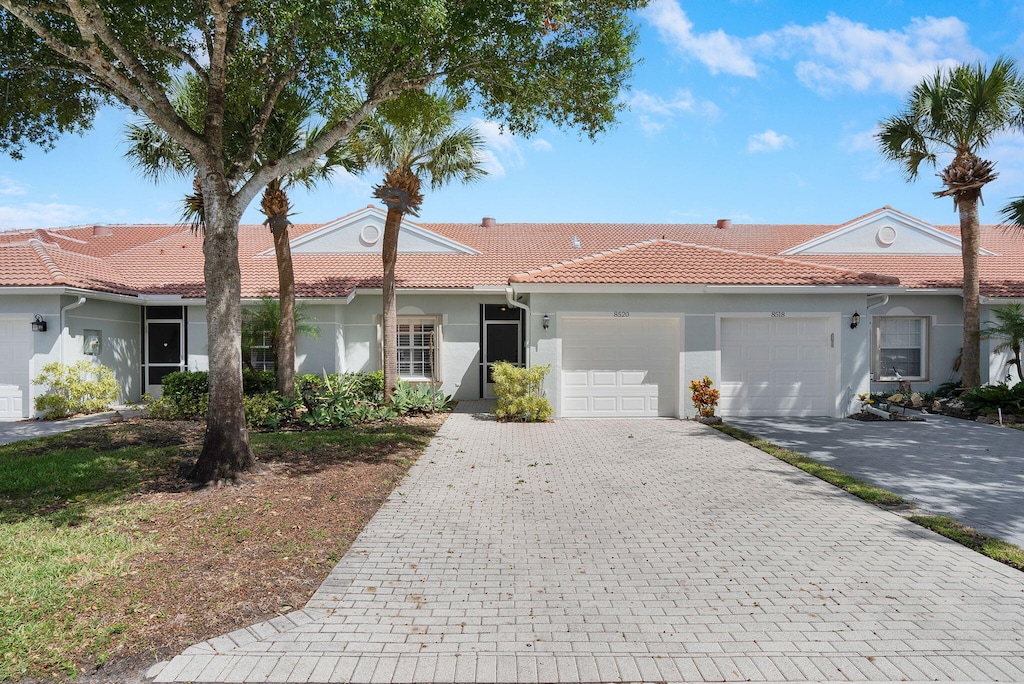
{"type": "Point", "coordinates": [510, 298]}
{"type": "Point", "coordinates": [883, 302]}
{"type": "Point", "coordinates": [69, 307]}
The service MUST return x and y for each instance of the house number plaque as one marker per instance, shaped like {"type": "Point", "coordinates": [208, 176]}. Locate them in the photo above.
{"type": "Point", "coordinates": [620, 314]}
{"type": "Point", "coordinates": [778, 314]}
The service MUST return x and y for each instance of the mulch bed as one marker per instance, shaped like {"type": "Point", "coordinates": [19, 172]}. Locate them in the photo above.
{"type": "Point", "coordinates": [899, 417]}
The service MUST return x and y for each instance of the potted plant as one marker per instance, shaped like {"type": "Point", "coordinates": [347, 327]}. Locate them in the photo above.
{"type": "Point", "coordinates": [705, 399]}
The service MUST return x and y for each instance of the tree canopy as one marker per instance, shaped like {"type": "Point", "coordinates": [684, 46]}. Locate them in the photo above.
{"type": "Point", "coordinates": [520, 62]}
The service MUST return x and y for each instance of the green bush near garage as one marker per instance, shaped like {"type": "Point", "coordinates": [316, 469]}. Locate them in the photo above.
{"type": "Point", "coordinates": [520, 394]}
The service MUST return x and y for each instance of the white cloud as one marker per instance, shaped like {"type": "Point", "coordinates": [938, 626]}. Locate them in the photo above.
{"type": "Point", "coordinates": [654, 110]}
{"type": "Point", "coordinates": [769, 141]}
{"type": "Point", "coordinates": [541, 145]}
{"type": "Point", "coordinates": [836, 54]}
{"type": "Point", "coordinates": [716, 50]}
{"type": "Point", "coordinates": [9, 186]}
{"type": "Point", "coordinates": [350, 183]}
{"type": "Point", "coordinates": [502, 147]}
{"type": "Point", "coordinates": [839, 53]}
{"type": "Point", "coordinates": [860, 141]}
{"type": "Point", "coordinates": [35, 215]}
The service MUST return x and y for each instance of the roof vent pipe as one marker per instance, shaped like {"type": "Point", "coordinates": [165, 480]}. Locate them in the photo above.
{"type": "Point", "coordinates": [488, 222]}
{"type": "Point", "coordinates": [723, 224]}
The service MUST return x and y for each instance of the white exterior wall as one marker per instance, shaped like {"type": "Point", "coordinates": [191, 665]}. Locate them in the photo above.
{"type": "Point", "coordinates": [21, 310]}
{"type": "Point", "coordinates": [699, 320]}
{"type": "Point", "coordinates": [118, 322]}
{"type": "Point", "coordinates": [120, 326]}
{"type": "Point", "coordinates": [945, 336]}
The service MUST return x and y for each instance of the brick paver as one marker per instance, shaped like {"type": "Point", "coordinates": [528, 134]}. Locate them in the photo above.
{"type": "Point", "coordinates": [629, 550]}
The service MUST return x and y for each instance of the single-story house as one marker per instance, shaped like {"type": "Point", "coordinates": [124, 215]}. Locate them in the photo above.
{"type": "Point", "coordinates": [788, 320]}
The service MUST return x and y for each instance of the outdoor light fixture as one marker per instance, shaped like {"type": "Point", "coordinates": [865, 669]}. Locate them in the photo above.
{"type": "Point", "coordinates": [546, 321]}
{"type": "Point", "coordinates": [38, 325]}
{"type": "Point", "coordinates": [854, 320]}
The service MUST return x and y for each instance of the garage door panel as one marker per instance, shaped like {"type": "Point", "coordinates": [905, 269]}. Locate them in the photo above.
{"type": "Point", "coordinates": [631, 366]}
{"type": "Point", "coordinates": [15, 358]}
{"type": "Point", "coordinates": [574, 378]}
{"type": "Point", "coordinates": [776, 367]}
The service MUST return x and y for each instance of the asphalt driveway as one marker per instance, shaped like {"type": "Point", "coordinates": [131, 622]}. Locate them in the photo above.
{"type": "Point", "coordinates": [971, 472]}
{"type": "Point", "coordinates": [630, 550]}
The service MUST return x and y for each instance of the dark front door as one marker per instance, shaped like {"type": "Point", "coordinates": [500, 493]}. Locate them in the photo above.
{"type": "Point", "coordinates": [502, 341]}
{"type": "Point", "coordinates": [163, 352]}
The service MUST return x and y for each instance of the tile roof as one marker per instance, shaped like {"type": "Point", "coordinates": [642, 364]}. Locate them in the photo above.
{"type": "Point", "coordinates": [148, 259]}
{"type": "Point", "coordinates": [666, 262]}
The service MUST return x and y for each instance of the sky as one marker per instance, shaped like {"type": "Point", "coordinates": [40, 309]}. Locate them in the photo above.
{"type": "Point", "coordinates": [758, 111]}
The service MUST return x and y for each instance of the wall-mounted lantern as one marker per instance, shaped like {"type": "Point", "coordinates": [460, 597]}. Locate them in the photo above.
{"type": "Point", "coordinates": [545, 321]}
{"type": "Point", "coordinates": [38, 325]}
{"type": "Point", "coordinates": [854, 320]}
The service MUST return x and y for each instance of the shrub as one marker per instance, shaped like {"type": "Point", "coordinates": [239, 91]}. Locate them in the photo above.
{"type": "Point", "coordinates": [519, 392]}
{"type": "Point", "coordinates": [418, 398]}
{"type": "Point", "coordinates": [704, 398]}
{"type": "Point", "coordinates": [185, 395]}
{"type": "Point", "coordinates": [82, 387]}
{"type": "Point", "coordinates": [262, 410]}
{"type": "Point", "coordinates": [990, 398]}
{"type": "Point", "coordinates": [257, 381]}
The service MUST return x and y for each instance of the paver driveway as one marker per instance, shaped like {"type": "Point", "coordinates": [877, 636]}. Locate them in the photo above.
{"type": "Point", "coordinates": [584, 551]}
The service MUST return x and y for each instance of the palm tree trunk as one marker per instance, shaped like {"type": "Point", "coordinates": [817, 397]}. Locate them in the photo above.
{"type": "Point", "coordinates": [285, 352]}
{"type": "Point", "coordinates": [226, 451]}
{"type": "Point", "coordinates": [967, 204]}
{"type": "Point", "coordinates": [389, 255]}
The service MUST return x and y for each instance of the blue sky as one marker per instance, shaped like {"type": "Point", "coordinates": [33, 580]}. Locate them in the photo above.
{"type": "Point", "coordinates": [754, 110]}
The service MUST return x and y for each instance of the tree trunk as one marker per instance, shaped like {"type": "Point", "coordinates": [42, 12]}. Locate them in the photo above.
{"type": "Point", "coordinates": [389, 255]}
{"type": "Point", "coordinates": [967, 204]}
{"type": "Point", "coordinates": [285, 352]}
{"type": "Point", "coordinates": [226, 451]}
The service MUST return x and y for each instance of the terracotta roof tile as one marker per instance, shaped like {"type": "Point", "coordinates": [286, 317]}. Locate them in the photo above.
{"type": "Point", "coordinates": [665, 262]}
{"type": "Point", "coordinates": [169, 259]}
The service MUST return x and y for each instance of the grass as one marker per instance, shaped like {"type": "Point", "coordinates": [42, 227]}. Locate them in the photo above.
{"type": "Point", "coordinates": [994, 548]}
{"type": "Point", "coordinates": [74, 514]}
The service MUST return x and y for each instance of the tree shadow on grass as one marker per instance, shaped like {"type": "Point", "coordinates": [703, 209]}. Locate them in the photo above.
{"type": "Point", "coordinates": [64, 477]}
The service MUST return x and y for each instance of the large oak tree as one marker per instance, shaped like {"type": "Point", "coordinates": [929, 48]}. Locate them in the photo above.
{"type": "Point", "coordinates": [521, 62]}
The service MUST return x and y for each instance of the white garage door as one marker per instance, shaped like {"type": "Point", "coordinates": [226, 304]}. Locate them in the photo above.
{"type": "Point", "coordinates": [15, 356]}
{"type": "Point", "coordinates": [776, 367]}
{"type": "Point", "coordinates": [619, 367]}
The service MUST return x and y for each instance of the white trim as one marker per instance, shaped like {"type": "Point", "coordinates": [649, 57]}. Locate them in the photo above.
{"type": "Point", "coordinates": [879, 374]}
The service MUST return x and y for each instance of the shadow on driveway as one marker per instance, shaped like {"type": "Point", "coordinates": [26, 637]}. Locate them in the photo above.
{"type": "Point", "coordinates": [968, 471]}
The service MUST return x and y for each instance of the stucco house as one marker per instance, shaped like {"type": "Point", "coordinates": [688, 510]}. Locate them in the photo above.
{"type": "Point", "coordinates": [788, 320]}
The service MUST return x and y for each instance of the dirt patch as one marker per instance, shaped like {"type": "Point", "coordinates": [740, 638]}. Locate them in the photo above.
{"type": "Point", "coordinates": [229, 557]}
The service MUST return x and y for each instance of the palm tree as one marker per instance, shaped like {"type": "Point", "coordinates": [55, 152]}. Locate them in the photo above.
{"type": "Point", "coordinates": [958, 111]}
{"type": "Point", "coordinates": [1008, 326]}
{"type": "Point", "coordinates": [412, 139]}
{"type": "Point", "coordinates": [156, 155]}
{"type": "Point", "coordinates": [263, 321]}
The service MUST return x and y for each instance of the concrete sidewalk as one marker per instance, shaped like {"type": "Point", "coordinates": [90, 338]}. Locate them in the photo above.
{"type": "Point", "coordinates": [969, 471]}
{"type": "Point", "coordinates": [630, 550]}
{"type": "Point", "coordinates": [15, 431]}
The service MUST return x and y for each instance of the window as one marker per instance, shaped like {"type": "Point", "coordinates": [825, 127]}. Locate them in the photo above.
{"type": "Point", "coordinates": [262, 354]}
{"type": "Point", "coordinates": [902, 347]}
{"type": "Point", "coordinates": [417, 347]}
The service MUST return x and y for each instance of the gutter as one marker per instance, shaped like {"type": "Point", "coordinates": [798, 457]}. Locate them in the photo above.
{"type": "Point", "coordinates": [69, 307]}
